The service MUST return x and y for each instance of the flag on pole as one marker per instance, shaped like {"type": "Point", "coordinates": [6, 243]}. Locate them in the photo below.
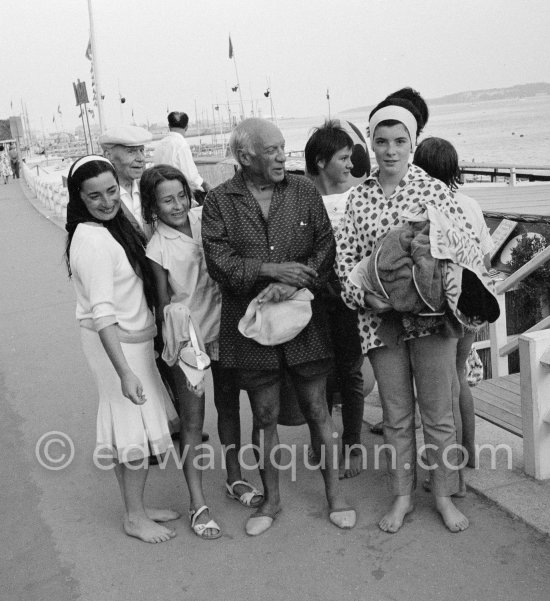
{"type": "Point", "coordinates": [328, 95]}
{"type": "Point", "coordinates": [11, 104]}
{"type": "Point", "coordinates": [89, 50]}
{"type": "Point", "coordinates": [59, 109]}
{"type": "Point", "coordinates": [230, 48]}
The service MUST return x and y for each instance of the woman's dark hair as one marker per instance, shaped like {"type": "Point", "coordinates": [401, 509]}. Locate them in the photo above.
{"type": "Point", "coordinates": [414, 97]}
{"type": "Point", "coordinates": [132, 241]}
{"type": "Point", "coordinates": [324, 143]}
{"type": "Point", "coordinates": [150, 179]}
{"type": "Point", "coordinates": [412, 101]}
{"type": "Point", "coordinates": [438, 158]}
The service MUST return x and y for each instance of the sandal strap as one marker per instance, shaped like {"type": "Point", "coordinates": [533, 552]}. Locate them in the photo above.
{"type": "Point", "coordinates": [230, 487]}
{"type": "Point", "coordinates": [194, 514]}
{"type": "Point", "coordinates": [200, 528]}
{"type": "Point", "coordinates": [246, 497]}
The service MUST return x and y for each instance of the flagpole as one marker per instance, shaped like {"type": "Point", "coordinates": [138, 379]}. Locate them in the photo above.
{"type": "Point", "coordinates": [26, 135]}
{"type": "Point", "coordinates": [328, 101]}
{"type": "Point", "coordinates": [232, 53]}
{"type": "Point", "coordinates": [97, 79]}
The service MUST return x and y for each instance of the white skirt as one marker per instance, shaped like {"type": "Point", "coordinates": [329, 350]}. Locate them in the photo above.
{"type": "Point", "coordinates": [125, 431]}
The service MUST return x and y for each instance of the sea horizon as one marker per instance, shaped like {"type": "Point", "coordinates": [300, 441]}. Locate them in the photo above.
{"type": "Point", "coordinates": [497, 131]}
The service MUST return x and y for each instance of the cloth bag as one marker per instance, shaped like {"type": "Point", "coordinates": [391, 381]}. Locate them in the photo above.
{"type": "Point", "coordinates": [474, 368]}
{"type": "Point", "coordinates": [274, 323]}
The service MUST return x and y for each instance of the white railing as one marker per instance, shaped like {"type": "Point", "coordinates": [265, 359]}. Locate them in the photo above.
{"type": "Point", "coordinates": [534, 357]}
{"type": "Point", "coordinates": [534, 351]}
{"type": "Point", "coordinates": [501, 344]}
{"type": "Point", "coordinates": [507, 171]}
{"type": "Point", "coordinates": [48, 189]}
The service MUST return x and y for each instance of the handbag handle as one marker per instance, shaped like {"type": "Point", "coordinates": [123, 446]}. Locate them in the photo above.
{"type": "Point", "coordinates": [194, 339]}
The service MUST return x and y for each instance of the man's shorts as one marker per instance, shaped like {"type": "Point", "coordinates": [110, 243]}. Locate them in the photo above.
{"type": "Point", "coordinates": [253, 379]}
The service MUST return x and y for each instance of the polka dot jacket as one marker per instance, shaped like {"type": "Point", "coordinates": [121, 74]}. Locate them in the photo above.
{"type": "Point", "coordinates": [237, 240]}
{"type": "Point", "coordinates": [370, 215]}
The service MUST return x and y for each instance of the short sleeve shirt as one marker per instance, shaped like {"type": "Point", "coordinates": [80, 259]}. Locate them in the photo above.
{"type": "Point", "coordinates": [190, 284]}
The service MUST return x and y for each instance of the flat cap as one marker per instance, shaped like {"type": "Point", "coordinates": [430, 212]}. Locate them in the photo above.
{"type": "Point", "coordinates": [125, 135]}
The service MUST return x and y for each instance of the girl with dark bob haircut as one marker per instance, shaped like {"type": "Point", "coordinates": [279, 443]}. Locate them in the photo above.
{"type": "Point", "coordinates": [323, 143]}
{"type": "Point", "coordinates": [149, 181]}
{"type": "Point", "coordinates": [438, 158]}
{"type": "Point", "coordinates": [177, 259]}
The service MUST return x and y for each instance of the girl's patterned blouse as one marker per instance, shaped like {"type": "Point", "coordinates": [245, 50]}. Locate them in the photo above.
{"type": "Point", "coordinates": [370, 215]}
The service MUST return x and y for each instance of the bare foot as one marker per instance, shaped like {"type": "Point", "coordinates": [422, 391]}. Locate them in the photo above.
{"type": "Point", "coordinates": [161, 515]}
{"type": "Point", "coordinates": [393, 520]}
{"type": "Point", "coordinates": [454, 519]}
{"type": "Point", "coordinates": [351, 466]}
{"type": "Point", "coordinates": [145, 529]}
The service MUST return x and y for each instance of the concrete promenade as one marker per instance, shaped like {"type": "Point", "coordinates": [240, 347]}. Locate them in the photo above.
{"type": "Point", "coordinates": [61, 529]}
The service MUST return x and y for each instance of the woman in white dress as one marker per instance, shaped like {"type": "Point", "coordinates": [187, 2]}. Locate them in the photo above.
{"type": "Point", "coordinates": [115, 294]}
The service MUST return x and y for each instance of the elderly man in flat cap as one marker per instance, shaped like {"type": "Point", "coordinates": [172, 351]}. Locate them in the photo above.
{"type": "Point", "coordinates": [124, 146]}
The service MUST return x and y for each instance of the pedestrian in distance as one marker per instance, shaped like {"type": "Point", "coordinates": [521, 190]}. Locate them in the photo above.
{"type": "Point", "coordinates": [14, 160]}
{"type": "Point", "coordinates": [174, 150]}
{"type": "Point", "coordinates": [5, 168]}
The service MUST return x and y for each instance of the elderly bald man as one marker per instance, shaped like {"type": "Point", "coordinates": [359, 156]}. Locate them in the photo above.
{"type": "Point", "coordinates": [266, 234]}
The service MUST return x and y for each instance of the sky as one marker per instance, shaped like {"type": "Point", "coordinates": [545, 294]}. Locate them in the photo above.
{"type": "Point", "coordinates": [174, 54]}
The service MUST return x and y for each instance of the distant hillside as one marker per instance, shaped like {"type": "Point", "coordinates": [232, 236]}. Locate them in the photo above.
{"type": "Point", "coordinates": [520, 91]}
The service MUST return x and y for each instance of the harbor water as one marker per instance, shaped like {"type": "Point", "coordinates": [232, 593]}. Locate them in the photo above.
{"type": "Point", "coordinates": [498, 131]}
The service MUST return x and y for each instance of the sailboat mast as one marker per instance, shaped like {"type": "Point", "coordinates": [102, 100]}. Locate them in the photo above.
{"type": "Point", "coordinates": [97, 78]}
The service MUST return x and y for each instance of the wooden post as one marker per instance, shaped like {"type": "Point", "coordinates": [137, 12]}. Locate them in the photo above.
{"type": "Point", "coordinates": [498, 334]}
{"type": "Point", "coordinates": [535, 403]}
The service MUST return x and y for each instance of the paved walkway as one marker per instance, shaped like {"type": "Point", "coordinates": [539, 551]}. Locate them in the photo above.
{"type": "Point", "coordinates": [61, 531]}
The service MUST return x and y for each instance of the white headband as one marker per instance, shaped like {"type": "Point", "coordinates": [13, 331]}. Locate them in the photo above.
{"type": "Point", "coordinates": [87, 159]}
{"type": "Point", "coordinates": [393, 113]}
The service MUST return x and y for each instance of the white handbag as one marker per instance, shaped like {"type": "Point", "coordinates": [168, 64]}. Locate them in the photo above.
{"type": "Point", "coordinates": [192, 360]}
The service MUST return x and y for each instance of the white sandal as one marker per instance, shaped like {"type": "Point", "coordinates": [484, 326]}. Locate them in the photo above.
{"type": "Point", "coordinates": [246, 498]}
{"type": "Point", "coordinates": [200, 529]}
